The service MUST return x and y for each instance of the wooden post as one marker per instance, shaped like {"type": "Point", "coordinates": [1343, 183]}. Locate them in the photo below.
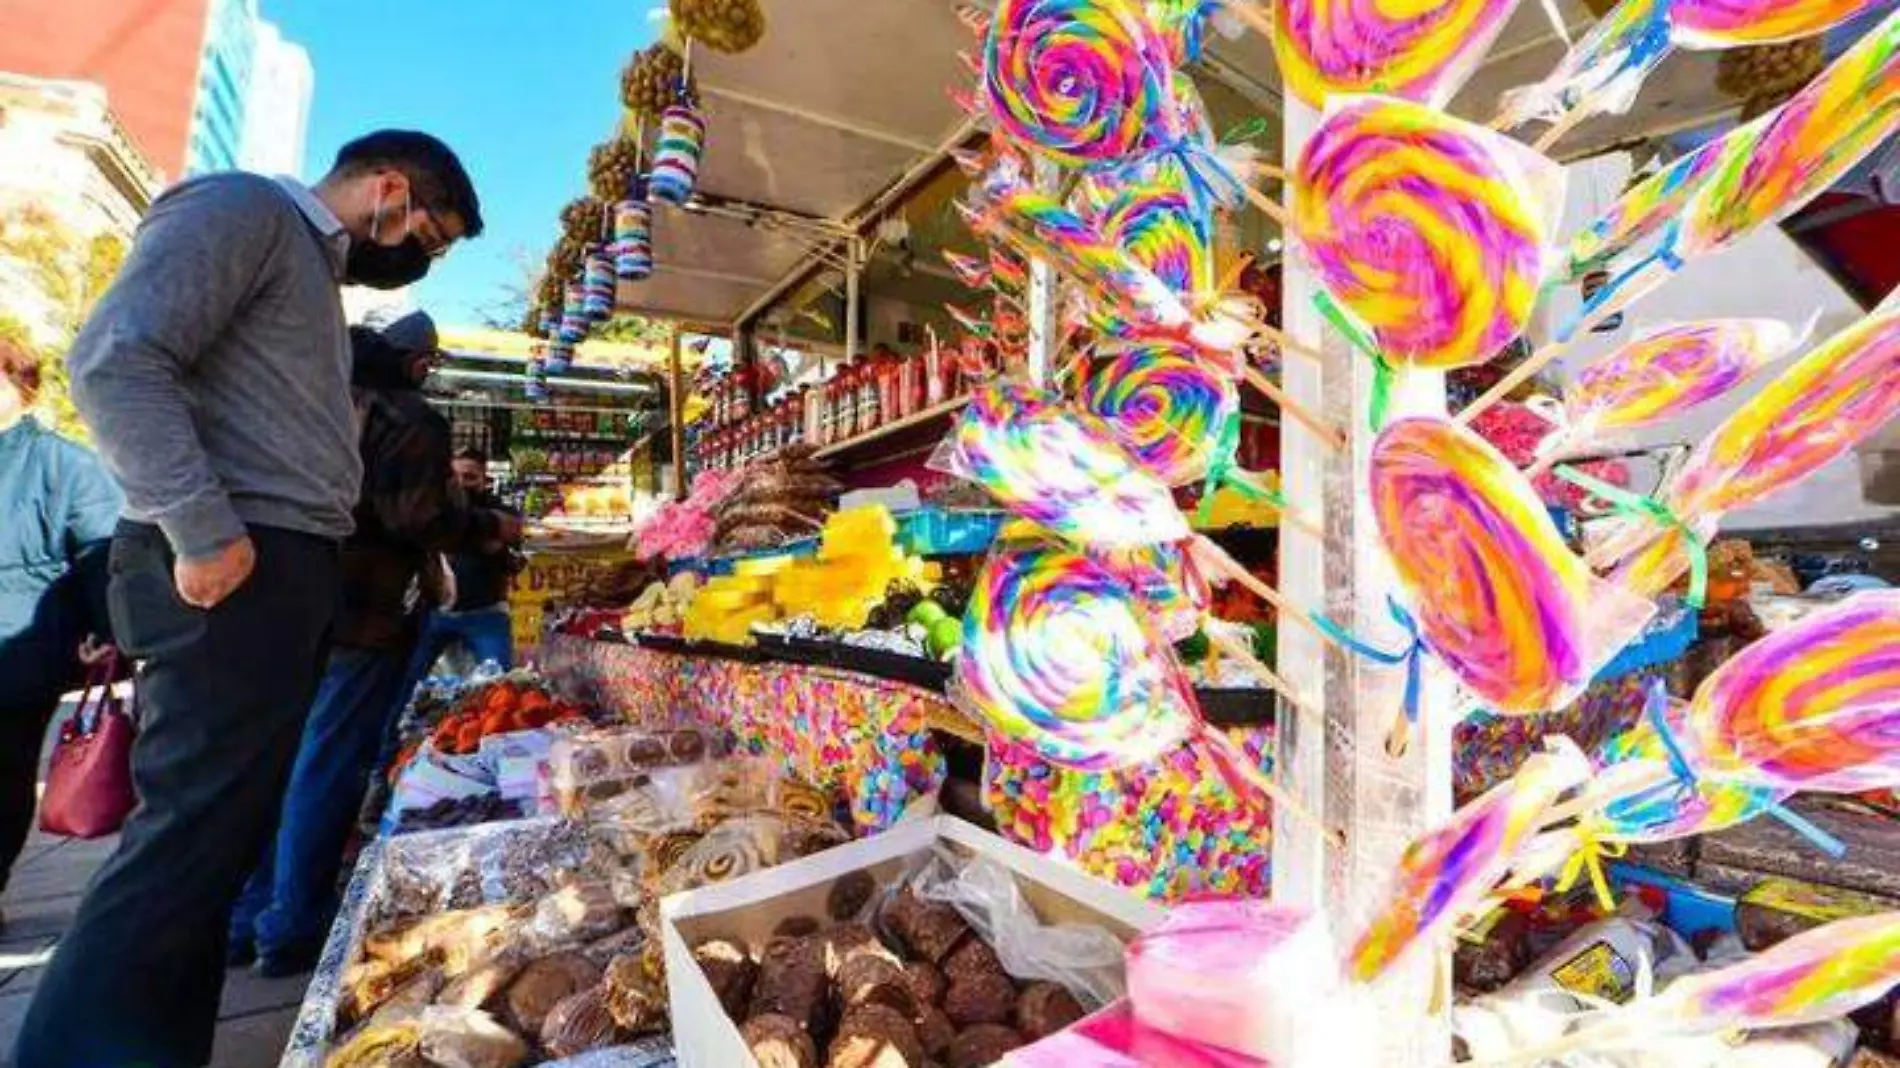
{"type": "Point", "coordinates": [1044, 328]}
{"type": "Point", "coordinates": [676, 413]}
{"type": "Point", "coordinates": [1343, 772]}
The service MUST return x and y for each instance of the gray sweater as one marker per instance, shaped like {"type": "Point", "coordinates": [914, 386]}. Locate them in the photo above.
{"type": "Point", "coordinates": [215, 373]}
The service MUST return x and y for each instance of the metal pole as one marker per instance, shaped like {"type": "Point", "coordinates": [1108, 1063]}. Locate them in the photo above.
{"type": "Point", "coordinates": [676, 413]}
{"type": "Point", "coordinates": [1343, 772]}
{"type": "Point", "coordinates": [853, 262]}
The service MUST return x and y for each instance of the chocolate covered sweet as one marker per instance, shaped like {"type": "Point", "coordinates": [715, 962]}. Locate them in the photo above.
{"type": "Point", "coordinates": [935, 1031]}
{"type": "Point", "coordinates": [792, 982]}
{"type": "Point", "coordinates": [926, 982]}
{"type": "Point", "coordinates": [1044, 1009]}
{"type": "Point", "coordinates": [847, 941]}
{"type": "Point", "coordinates": [779, 1042]}
{"type": "Point", "coordinates": [730, 972]}
{"type": "Point", "coordinates": [973, 958]}
{"type": "Point", "coordinates": [870, 980]}
{"type": "Point", "coordinates": [983, 1045]}
{"type": "Point", "coordinates": [544, 984]}
{"type": "Point", "coordinates": [928, 929]}
{"type": "Point", "coordinates": [579, 1023]}
{"type": "Point", "coordinates": [796, 927]}
{"type": "Point", "coordinates": [849, 895]}
{"type": "Point", "coordinates": [875, 1036]}
{"type": "Point", "coordinates": [635, 1000]}
{"type": "Point", "coordinates": [980, 998]}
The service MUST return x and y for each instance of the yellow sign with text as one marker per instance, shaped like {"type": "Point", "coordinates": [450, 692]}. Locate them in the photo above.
{"type": "Point", "coordinates": [548, 573]}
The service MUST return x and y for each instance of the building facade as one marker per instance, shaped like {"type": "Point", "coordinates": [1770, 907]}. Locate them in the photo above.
{"type": "Point", "coordinates": [277, 116]}
{"type": "Point", "coordinates": [180, 74]}
{"type": "Point", "coordinates": [71, 169]}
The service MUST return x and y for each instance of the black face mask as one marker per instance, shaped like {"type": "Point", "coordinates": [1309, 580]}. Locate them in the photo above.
{"type": "Point", "coordinates": [386, 266]}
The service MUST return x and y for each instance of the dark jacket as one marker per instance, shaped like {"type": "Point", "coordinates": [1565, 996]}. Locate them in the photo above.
{"type": "Point", "coordinates": [481, 577]}
{"type": "Point", "coordinates": [60, 509]}
{"type": "Point", "coordinates": [409, 510]}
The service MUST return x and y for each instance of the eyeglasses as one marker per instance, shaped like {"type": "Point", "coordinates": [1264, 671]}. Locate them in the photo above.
{"type": "Point", "coordinates": [430, 234]}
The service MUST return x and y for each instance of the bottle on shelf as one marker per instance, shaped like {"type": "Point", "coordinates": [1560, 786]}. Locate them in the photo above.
{"type": "Point", "coordinates": [870, 396]}
{"type": "Point", "coordinates": [845, 424]}
{"type": "Point", "coordinates": [800, 425]}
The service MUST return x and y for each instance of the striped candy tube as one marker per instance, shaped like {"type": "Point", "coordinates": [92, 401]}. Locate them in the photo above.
{"type": "Point", "coordinates": [676, 155]}
{"type": "Point", "coordinates": [597, 287]}
{"type": "Point", "coordinates": [574, 319]}
{"type": "Point", "coordinates": [1813, 706]}
{"type": "Point", "coordinates": [633, 240]}
{"type": "Point", "coordinates": [1056, 654]}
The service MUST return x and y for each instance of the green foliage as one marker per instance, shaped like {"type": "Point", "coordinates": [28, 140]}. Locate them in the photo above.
{"type": "Point", "coordinates": [635, 329]}
{"type": "Point", "coordinates": [70, 274]}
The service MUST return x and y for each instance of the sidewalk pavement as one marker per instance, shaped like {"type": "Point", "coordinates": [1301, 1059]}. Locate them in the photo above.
{"type": "Point", "coordinates": [41, 897]}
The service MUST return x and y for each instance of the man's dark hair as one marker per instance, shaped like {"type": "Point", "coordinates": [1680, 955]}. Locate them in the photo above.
{"type": "Point", "coordinates": [434, 171]}
{"type": "Point", "coordinates": [471, 452]}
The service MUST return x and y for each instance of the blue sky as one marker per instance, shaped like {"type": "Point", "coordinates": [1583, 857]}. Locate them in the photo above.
{"type": "Point", "coordinates": [521, 89]}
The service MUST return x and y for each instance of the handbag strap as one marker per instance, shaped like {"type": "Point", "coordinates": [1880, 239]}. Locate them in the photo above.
{"type": "Point", "coordinates": [99, 675]}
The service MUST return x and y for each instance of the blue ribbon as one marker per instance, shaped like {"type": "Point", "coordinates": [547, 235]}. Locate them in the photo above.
{"type": "Point", "coordinates": [1665, 255]}
{"type": "Point", "coordinates": [1413, 656]}
{"type": "Point", "coordinates": [1819, 838]}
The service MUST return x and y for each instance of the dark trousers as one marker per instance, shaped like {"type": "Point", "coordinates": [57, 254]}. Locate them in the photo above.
{"type": "Point", "coordinates": [23, 721]}
{"type": "Point", "coordinates": [138, 978]}
{"type": "Point", "coordinates": [292, 897]}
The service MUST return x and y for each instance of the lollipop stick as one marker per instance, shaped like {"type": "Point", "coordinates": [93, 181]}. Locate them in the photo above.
{"type": "Point", "coordinates": [1610, 787]}
{"type": "Point", "coordinates": [1329, 434]}
{"type": "Point", "coordinates": [1230, 647]}
{"type": "Point", "coordinates": [1398, 740]}
{"type": "Point", "coordinates": [1215, 558]}
{"type": "Point", "coordinates": [1286, 344]}
{"type": "Point", "coordinates": [1565, 123]}
{"type": "Point", "coordinates": [1269, 171]}
{"type": "Point", "coordinates": [1254, 18]}
{"type": "Point", "coordinates": [1251, 775]}
{"type": "Point", "coordinates": [1635, 286]}
{"type": "Point", "coordinates": [1268, 206]}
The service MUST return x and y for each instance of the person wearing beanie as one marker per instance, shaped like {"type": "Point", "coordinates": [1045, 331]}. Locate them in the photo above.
{"type": "Point", "coordinates": [409, 513]}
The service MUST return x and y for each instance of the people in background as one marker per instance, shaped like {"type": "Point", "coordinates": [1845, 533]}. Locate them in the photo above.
{"type": "Point", "coordinates": [57, 511]}
{"type": "Point", "coordinates": [410, 512]}
{"type": "Point", "coordinates": [477, 620]}
{"type": "Point", "coordinates": [215, 376]}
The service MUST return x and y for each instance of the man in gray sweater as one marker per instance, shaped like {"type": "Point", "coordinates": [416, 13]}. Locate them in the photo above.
{"type": "Point", "coordinates": [215, 376]}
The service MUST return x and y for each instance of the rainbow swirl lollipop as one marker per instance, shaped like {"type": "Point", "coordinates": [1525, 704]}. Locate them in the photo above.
{"type": "Point", "coordinates": [1169, 590]}
{"type": "Point", "coordinates": [1431, 230]}
{"type": "Point", "coordinates": [1056, 654]}
{"type": "Point", "coordinates": [1498, 596]}
{"type": "Point", "coordinates": [1603, 72]}
{"type": "Point", "coordinates": [1447, 872]}
{"type": "Point", "coordinates": [1729, 23]}
{"type": "Point", "coordinates": [1647, 207]}
{"type": "Point", "coordinates": [1167, 230]}
{"type": "Point", "coordinates": [1062, 468]}
{"type": "Point", "coordinates": [1819, 408]}
{"type": "Point", "coordinates": [1668, 371]}
{"type": "Point", "coordinates": [1083, 82]}
{"type": "Point", "coordinates": [1183, 25]}
{"type": "Point", "coordinates": [1421, 50]}
{"type": "Point", "coordinates": [1166, 408]}
{"type": "Point", "coordinates": [1813, 706]}
{"type": "Point", "coordinates": [1803, 147]}
{"type": "Point", "coordinates": [1678, 809]}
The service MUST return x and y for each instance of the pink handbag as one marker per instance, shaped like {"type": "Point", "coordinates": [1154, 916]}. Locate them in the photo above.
{"type": "Point", "coordinates": [89, 790]}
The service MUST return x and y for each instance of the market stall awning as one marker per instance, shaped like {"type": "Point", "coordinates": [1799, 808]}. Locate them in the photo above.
{"type": "Point", "coordinates": [838, 101]}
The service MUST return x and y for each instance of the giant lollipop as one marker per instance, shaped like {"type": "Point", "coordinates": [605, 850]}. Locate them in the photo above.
{"type": "Point", "coordinates": [1645, 209]}
{"type": "Point", "coordinates": [1061, 468]}
{"type": "Point", "coordinates": [1445, 873]}
{"type": "Point", "coordinates": [1083, 82]}
{"type": "Point", "coordinates": [1429, 229]}
{"type": "Point", "coordinates": [1678, 808]}
{"type": "Point", "coordinates": [1498, 596]}
{"type": "Point", "coordinates": [1818, 975]}
{"type": "Point", "coordinates": [1421, 50]}
{"type": "Point", "coordinates": [1729, 23]}
{"type": "Point", "coordinates": [1166, 408]}
{"type": "Point", "coordinates": [1813, 706]}
{"type": "Point", "coordinates": [1664, 372]}
{"type": "Point", "coordinates": [1056, 654]}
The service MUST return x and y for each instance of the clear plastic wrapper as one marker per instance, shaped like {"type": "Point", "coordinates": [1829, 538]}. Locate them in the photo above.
{"type": "Point", "coordinates": [593, 767]}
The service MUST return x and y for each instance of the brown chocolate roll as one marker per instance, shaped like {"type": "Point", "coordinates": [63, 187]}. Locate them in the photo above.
{"type": "Point", "coordinates": [731, 973]}
{"type": "Point", "coordinates": [980, 998]}
{"type": "Point", "coordinates": [849, 895]}
{"type": "Point", "coordinates": [846, 941]}
{"type": "Point", "coordinates": [868, 980]}
{"type": "Point", "coordinates": [792, 982]}
{"type": "Point", "coordinates": [579, 1023]}
{"type": "Point", "coordinates": [634, 999]}
{"type": "Point", "coordinates": [1044, 1009]}
{"type": "Point", "coordinates": [544, 984]}
{"type": "Point", "coordinates": [983, 1045]}
{"type": "Point", "coordinates": [779, 1042]}
{"type": "Point", "coordinates": [935, 1031]}
{"type": "Point", "coordinates": [927, 982]}
{"type": "Point", "coordinates": [929, 929]}
{"type": "Point", "coordinates": [876, 1036]}
{"type": "Point", "coordinates": [795, 927]}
